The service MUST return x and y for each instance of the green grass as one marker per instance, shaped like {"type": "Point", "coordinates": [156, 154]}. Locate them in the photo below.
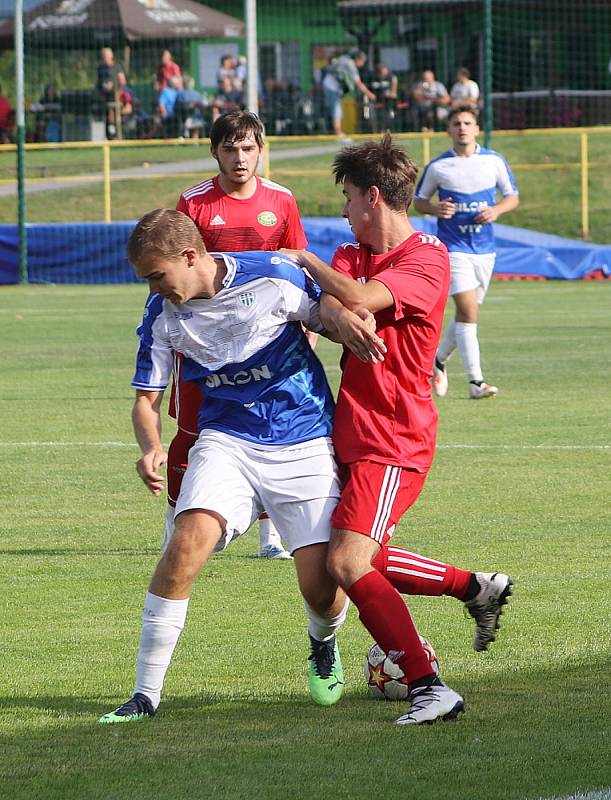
{"type": "Point", "coordinates": [550, 189]}
{"type": "Point", "coordinates": [519, 483]}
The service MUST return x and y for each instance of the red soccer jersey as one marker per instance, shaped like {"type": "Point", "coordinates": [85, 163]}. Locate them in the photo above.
{"type": "Point", "coordinates": [268, 220]}
{"type": "Point", "coordinates": [385, 412]}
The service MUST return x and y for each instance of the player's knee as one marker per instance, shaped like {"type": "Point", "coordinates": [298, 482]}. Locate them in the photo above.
{"type": "Point", "coordinates": [338, 566]}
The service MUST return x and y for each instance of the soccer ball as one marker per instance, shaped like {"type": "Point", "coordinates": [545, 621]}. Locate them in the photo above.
{"type": "Point", "coordinates": [385, 679]}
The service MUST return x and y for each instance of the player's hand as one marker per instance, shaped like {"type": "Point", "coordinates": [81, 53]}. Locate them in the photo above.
{"type": "Point", "coordinates": [294, 254]}
{"type": "Point", "coordinates": [445, 209]}
{"type": "Point", "coordinates": [147, 468]}
{"type": "Point", "coordinates": [357, 332]}
{"type": "Point", "coordinates": [486, 215]}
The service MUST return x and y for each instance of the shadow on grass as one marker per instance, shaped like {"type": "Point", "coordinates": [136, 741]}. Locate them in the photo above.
{"type": "Point", "coordinates": [523, 736]}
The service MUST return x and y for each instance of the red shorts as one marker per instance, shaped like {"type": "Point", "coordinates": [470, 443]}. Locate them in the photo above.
{"type": "Point", "coordinates": [178, 458]}
{"type": "Point", "coordinates": [375, 497]}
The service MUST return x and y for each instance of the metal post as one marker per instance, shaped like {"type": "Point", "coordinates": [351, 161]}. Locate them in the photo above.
{"type": "Point", "coordinates": [488, 62]}
{"type": "Point", "coordinates": [106, 159]}
{"type": "Point", "coordinates": [252, 56]}
{"type": "Point", "coordinates": [20, 123]}
{"type": "Point", "coordinates": [585, 198]}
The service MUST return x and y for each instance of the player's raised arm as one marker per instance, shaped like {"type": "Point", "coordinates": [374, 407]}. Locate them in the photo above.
{"type": "Point", "coordinates": [146, 419]}
{"type": "Point", "coordinates": [373, 295]}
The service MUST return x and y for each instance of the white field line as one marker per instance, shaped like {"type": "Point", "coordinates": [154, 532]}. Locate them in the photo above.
{"type": "Point", "coordinates": [440, 447]}
{"type": "Point", "coordinates": [600, 794]}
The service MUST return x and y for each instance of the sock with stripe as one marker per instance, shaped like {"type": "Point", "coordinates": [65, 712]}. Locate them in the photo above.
{"type": "Point", "coordinates": [385, 615]}
{"type": "Point", "coordinates": [411, 573]}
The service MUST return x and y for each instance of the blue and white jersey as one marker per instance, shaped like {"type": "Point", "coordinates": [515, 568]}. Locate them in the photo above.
{"type": "Point", "coordinates": [246, 350]}
{"type": "Point", "coordinates": [471, 182]}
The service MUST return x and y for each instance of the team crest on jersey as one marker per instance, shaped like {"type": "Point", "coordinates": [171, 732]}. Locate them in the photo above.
{"type": "Point", "coordinates": [247, 298]}
{"type": "Point", "coordinates": [267, 218]}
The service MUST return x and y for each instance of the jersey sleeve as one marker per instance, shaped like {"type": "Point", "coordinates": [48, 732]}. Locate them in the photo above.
{"type": "Point", "coordinates": [345, 259]}
{"type": "Point", "coordinates": [302, 302]}
{"type": "Point", "coordinates": [418, 278]}
{"type": "Point", "coordinates": [182, 205]}
{"type": "Point", "coordinates": [155, 358]}
{"type": "Point", "coordinates": [428, 183]}
{"type": "Point", "coordinates": [294, 236]}
{"type": "Point", "coordinates": [505, 181]}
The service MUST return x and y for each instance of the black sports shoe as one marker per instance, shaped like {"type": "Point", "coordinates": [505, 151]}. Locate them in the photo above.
{"type": "Point", "coordinates": [138, 707]}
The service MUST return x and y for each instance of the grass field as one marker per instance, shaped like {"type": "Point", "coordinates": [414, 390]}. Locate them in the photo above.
{"type": "Point", "coordinates": [544, 166]}
{"type": "Point", "coordinates": [520, 484]}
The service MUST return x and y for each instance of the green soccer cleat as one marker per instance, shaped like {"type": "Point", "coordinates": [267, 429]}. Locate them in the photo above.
{"type": "Point", "coordinates": [137, 708]}
{"type": "Point", "coordinates": [326, 672]}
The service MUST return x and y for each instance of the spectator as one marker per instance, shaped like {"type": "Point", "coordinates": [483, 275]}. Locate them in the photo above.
{"type": "Point", "coordinates": [383, 84]}
{"type": "Point", "coordinates": [228, 97]}
{"type": "Point", "coordinates": [241, 73]}
{"type": "Point", "coordinates": [47, 120]}
{"type": "Point", "coordinates": [107, 85]}
{"type": "Point", "coordinates": [431, 101]}
{"type": "Point", "coordinates": [167, 69]}
{"type": "Point", "coordinates": [464, 90]}
{"type": "Point", "coordinates": [227, 69]}
{"type": "Point", "coordinates": [7, 120]}
{"type": "Point", "coordinates": [167, 102]}
{"type": "Point", "coordinates": [342, 77]}
{"type": "Point", "coordinates": [189, 109]}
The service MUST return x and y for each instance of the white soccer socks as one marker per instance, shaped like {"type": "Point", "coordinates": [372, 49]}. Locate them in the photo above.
{"type": "Point", "coordinates": [162, 622]}
{"type": "Point", "coordinates": [468, 347]}
{"type": "Point", "coordinates": [324, 628]}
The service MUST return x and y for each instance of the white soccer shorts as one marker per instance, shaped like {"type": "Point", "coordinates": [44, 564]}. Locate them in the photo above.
{"type": "Point", "coordinates": [470, 271]}
{"type": "Point", "coordinates": [298, 486]}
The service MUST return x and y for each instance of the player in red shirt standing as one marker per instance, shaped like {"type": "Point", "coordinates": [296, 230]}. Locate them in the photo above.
{"type": "Point", "coordinates": [234, 211]}
{"type": "Point", "coordinates": [386, 422]}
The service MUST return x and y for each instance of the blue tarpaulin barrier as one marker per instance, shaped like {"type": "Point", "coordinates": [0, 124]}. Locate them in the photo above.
{"type": "Point", "coordinates": [95, 252]}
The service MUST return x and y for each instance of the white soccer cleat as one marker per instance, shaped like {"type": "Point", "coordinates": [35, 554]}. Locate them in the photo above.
{"type": "Point", "coordinates": [275, 552]}
{"type": "Point", "coordinates": [479, 391]}
{"type": "Point", "coordinates": [487, 606]}
{"type": "Point", "coordinates": [431, 703]}
{"type": "Point", "coordinates": [440, 381]}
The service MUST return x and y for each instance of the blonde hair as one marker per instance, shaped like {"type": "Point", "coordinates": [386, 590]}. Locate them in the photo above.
{"type": "Point", "coordinates": [163, 233]}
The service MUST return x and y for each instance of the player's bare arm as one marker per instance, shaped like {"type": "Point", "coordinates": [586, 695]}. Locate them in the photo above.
{"type": "Point", "coordinates": [354, 329]}
{"type": "Point", "coordinates": [445, 209]}
{"type": "Point", "coordinates": [372, 295]}
{"type": "Point", "coordinates": [146, 419]}
{"type": "Point", "coordinates": [492, 213]}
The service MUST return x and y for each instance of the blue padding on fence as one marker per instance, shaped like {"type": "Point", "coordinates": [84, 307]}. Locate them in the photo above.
{"type": "Point", "coordinates": [95, 252]}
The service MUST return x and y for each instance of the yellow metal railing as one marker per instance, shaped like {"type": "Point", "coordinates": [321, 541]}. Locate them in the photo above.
{"type": "Point", "coordinates": [584, 164]}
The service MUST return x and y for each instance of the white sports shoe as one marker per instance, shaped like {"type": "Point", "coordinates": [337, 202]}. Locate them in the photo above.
{"type": "Point", "coordinates": [487, 606]}
{"type": "Point", "coordinates": [440, 381]}
{"type": "Point", "coordinates": [430, 703]}
{"type": "Point", "coordinates": [481, 391]}
{"type": "Point", "coordinates": [273, 551]}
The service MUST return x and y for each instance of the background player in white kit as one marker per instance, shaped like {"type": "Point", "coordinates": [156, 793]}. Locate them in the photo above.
{"type": "Point", "coordinates": [264, 437]}
{"type": "Point", "coordinates": [467, 178]}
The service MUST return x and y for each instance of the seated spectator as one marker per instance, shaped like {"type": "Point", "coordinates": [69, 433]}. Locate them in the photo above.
{"type": "Point", "coordinates": [167, 69]}
{"type": "Point", "coordinates": [228, 96]}
{"type": "Point", "coordinates": [47, 116]}
{"type": "Point", "coordinates": [189, 110]}
{"type": "Point", "coordinates": [431, 102]}
{"type": "Point", "coordinates": [166, 104]}
{"type": "Point", "coordinates": [7, 120]}
{"type": "Point", "coordinates": [383, 83]}
{"type": "Point", "coordinates": [464, 90]}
